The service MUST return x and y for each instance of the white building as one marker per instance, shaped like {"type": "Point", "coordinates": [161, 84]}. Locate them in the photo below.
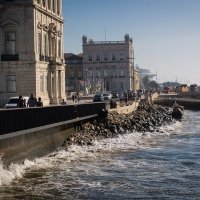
{"type": "Point", "coordinates": [31, 50]}
{"type": "Point", "coordinates": [108, 65]}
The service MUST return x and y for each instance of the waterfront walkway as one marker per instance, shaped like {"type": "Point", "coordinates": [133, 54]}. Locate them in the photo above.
{"type": "Point", "coordinates": [187, 102]}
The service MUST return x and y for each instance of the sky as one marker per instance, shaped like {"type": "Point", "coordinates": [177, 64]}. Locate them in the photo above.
{"type": "Point", "coordinates": [166, 33]}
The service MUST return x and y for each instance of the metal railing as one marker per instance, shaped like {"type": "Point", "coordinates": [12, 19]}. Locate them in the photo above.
{"type": "Point", "coordinates": [13, 120]}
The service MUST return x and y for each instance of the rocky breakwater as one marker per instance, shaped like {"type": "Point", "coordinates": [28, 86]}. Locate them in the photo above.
{"type": "Point", "coordinates": [144, 119]}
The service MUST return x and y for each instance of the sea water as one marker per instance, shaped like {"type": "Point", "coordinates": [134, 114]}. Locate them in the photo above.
{"type": "Point", "coordinates": [160, 165]}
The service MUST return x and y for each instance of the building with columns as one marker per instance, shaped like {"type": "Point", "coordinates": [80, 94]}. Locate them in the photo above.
{"type": "Point", "coordinates": [31, 50]}
{"type": "Point", "coordinates": [108, 65]}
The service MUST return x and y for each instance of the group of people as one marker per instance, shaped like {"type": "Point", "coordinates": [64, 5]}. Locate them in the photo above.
{"type": "Point", "coordinates": [32, 102]}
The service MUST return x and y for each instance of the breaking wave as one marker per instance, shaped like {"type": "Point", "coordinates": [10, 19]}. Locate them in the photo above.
{"type": "Point", "coordinates": [72, 153]}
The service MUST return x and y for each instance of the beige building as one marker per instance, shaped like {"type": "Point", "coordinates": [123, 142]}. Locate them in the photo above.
{"type": "Point", "coordinates": [136, 79]}
{"type": "Point", "coordinates": [31, 49]}
{"type": "Point", "coordinates": [108, 65]}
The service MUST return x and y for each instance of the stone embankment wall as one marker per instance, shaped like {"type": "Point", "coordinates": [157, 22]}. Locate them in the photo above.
{"type": "Point", "coordinates": [145, 118]}
{"type": "Point", "coordinates": [125, 109]}
{"type": "Point", "coordinates": [188, 103]}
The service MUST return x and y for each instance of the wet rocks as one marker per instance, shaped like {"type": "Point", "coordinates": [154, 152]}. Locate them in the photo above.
{"type": "Point", "coordinates": [145, 119]}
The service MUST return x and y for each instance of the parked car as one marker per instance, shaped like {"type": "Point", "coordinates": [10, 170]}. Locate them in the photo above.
{"type": "Point", "coordinates": [115, 95]}
{"type": "Point", "coordinates": [121, 96]}
{"type": "Point", "coordinates": [107, 96]}
{"type": "Point", "coordinates": [13, 102]}
{"type": "Point", "coordinates": [98, 98]}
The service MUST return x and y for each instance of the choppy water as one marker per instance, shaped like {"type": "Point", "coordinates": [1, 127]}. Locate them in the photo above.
{"type": "Point", "coordinates": [162, 165]}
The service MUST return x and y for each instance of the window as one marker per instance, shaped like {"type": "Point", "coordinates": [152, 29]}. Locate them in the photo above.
{"type": "Point", "coordinates": [90, 57]}
{"type": "Point", "coordinates": [113, 57]}
{"type": "Point", "coordinates": [105, 56]}
{"type": "Point", "coordinates": [49, 4]}
{"type": "Point", "coordinates": [53, 6]}
{"type": "Point", "coordinates": [98, 57]}
{"type": "Point", "coordinates": [59, 48]}
{"type": "Point", "coordinates": [44, 3]}
{"type": "Point", "coordinates": [10, 43]}
{"type": "Point", "coordinates": [39, 44]}
{"type": "Point", "coordinates": [45, 45]}
{"type": "Point", "coordinates": [58, 7]}
{"type": "Point", "coordinates": [121, 73]}
{"type": "Point", "coordinates": [41, 83]}
{"type": "Point", "coordinates": [121, 56]}
{"type": "Point", "coordinates": [11, 83]}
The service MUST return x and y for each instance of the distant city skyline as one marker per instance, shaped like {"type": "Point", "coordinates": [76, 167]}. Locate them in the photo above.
{"type": "Point", "coordinates": [166, 33]}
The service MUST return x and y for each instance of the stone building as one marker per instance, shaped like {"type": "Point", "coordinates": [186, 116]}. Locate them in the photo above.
{"type": "Point", "coordinates": [136, 79]}
{"type": "Point", "coordinates": [31, 49]}
{"type": "Point", "coordinates": [108, 65]}
{"type": "Point", "coordinates": [74, 72]}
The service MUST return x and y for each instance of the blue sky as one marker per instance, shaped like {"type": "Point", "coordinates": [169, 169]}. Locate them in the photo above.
{"type": "Point", "coordinates": [166, 33]}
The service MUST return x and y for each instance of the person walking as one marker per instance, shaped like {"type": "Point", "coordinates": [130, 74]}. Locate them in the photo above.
{"type": "Point", "coordinates": [39, 102]}
{"type": "Point", "coordinates": [32, 101]}
{"type": "Point", "coordinates": [21, 102]}
{"type": "Point", "coordinates": [73, 97]}
{"type": "Point", "coordinates": [77, 96]}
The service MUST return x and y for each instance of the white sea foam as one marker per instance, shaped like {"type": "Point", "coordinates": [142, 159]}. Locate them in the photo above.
{"type": "Point", "coordinates": [74, 153]}
{"type": "Point", "coordinates": [7, 175]}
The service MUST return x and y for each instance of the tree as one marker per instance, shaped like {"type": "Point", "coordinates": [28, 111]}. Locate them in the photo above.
{"type": "Point", "coordinates": [153, 85]}
{"type": "Point", "coordinates": [145, 82]}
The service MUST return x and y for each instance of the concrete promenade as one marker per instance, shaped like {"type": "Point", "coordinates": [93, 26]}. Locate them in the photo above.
{"type": "Point", "coordinates": [188, 103]}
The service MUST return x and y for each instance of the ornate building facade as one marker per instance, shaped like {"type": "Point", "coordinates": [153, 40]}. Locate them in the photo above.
{"type": "Point", "coordinates": [74, 72]}
{"type": "Point", "coordinates": [108, 65]}
{"type": "Point", "coordinates": [31, 50]}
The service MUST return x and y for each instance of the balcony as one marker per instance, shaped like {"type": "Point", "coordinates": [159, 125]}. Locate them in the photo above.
{"type": "Point", "coordinates": [56, 60]}
{"type": "Point", "coordinates": [44, 58]}
{"type": "Point", "coordinates": [10, 57]}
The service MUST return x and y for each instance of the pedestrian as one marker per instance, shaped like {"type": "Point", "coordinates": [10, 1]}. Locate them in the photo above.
{"type": "Point", "coordinates": [20, 102]}
{"type": "Point", "coordinates": [73, 97]}
{"type": "Point", "coordinates": [126, 98]}
{"type": "Point", "coordinates": [24, 103]}
{"type": "Point", "coordinates": [32, 101]}
{"type": "Point", "coordinates": [64, 103]}
{"type": "Point", "coordinates": [77, 96]}
{"type": "Point", "coordinates": [39, 102]}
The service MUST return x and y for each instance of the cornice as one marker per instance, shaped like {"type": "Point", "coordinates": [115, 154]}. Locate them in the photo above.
{"type": "Point", "coordinates": [60, 19]}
